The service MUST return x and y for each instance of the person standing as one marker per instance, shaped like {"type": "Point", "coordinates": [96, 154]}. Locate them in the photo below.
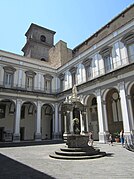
{"type": "Point", "coordinates": [110, 139]}
{"type": "Point", "coordinates": [90, 142]}
{"type": "Point", "coordinates": [122, 137]}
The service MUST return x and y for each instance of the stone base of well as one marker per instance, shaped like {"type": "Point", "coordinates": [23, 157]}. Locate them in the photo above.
{"type": "Point", "coordinates": [77, 149]}
{"type": "Point", "coordinates": [76, 141]}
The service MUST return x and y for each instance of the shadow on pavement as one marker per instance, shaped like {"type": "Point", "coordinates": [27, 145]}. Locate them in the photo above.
{"type": "Point", "coordinates": [11, 169]}
{"type": "Point", "coordinates": [29, 143]}
{"type": "Point", "coordinates": [109, 154]}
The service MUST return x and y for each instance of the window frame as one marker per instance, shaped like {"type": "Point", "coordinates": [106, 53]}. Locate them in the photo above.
{"type": "Point", "coordinates": [8, 76]}
{"type": "Point", "coordinates": [106, 52]}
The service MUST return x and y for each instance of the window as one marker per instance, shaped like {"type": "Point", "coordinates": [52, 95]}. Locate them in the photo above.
{"type": "Point", "coordinates": [128, 41]}
{"type": "Point", "coordinates": [30, 80]}
{"type": "Point", "coordinates": [73, 73]}
{"type": "Point", "coordinates": [43, 59]}
{"type": "Point", "coordinates": [87, 64]}
{"type": "Point", "coordinates": [8, 79]}
{"type": "Point", "coordinates": [48, 83]}
{"type": "Point", "coordinates": [106, 54]}
{"type": "Point", "coordinates": [62, 78]}
{"type": "Point", "coordinates": [131, 52]}
{"type": "Point", "coordinates": [29, 83]}
{"type": "Point", "coordinates": [43, 38]}
{"type": "Point", "coordinates": [108, 63]}
{"type": "Point", "coordinates": [8, 76]}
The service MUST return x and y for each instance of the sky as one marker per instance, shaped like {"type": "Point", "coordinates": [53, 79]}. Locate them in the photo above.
{"type": "Point", "coordinates": [73, 20]}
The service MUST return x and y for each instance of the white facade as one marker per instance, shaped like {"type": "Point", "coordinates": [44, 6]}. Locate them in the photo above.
{"type": "Point", "coordinates": [32, 91]}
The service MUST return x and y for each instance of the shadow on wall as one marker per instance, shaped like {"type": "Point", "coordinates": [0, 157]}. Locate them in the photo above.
{"type": "Point", "coordinates": [10, 168]}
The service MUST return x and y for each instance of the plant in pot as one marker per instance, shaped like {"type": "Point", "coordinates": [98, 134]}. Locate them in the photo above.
{"type": "Point", "coordinates": [117, 136]}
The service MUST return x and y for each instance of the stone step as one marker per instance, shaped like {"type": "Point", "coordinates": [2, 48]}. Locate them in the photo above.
{"type": "Point", "coordinates": [66, 149]}
{"type": "Point", "coordinates": [78, 153]}
{"type": "Point", "coordinates": [55, 156]}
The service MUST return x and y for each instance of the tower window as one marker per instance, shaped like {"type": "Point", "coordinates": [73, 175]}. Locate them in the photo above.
{"type": "Point", "coordinates": [43, 59]}
{"type": "Point", "coordinates": [43, 38]}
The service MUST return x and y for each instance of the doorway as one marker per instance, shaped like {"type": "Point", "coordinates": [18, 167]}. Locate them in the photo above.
{"type": "Point", "coordinates": [22, 131]}
{"type": "Point", "coordinates": [1, 133]}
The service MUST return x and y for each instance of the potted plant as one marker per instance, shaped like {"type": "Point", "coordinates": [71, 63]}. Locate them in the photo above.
{"type": "Point", "coordinates": [117, 136]}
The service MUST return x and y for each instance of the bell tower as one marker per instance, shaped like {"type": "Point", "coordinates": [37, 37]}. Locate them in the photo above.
{"type": "Point", "coordinates": [39, 41]}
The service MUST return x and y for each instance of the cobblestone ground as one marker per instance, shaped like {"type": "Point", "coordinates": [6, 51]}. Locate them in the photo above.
{"type": "Point", "coordinates": [33, 162]}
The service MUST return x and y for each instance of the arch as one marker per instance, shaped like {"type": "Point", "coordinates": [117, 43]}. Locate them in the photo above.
{"type": "Point", "coordinates": [92, 115]}
{"type": "Point", "coordinates": [47, 111]}
{"type": "Point", "coordinates": [113, 108]}
{"type": "Point", "coordinates": [105, 92]}
{"type": "Point", "coordinates": [129, 87]}
{"type": "Point", "coordinates": [7, 115]}
{"type": "Point", "coordinates": [131, 105]}
{"type": "Point", "coordinates": [27, 120]}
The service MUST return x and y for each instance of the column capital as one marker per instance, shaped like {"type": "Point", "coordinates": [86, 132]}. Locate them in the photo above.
{"type": "Point", "coordinates": [98, 92]}
{"type": "Point", "coordinates": [39, 103]}
{"type": "Point", "coordinates": [121, 85]}
{"type": "Point", "coordinates": [19, 100]}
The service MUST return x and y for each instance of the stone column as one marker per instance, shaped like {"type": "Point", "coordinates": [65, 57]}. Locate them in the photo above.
{"type": "Point", "coordinates": [84, 122]}
{"type": "Point", "coordinates": [71, 122]}
{"type": "Point", "coordinates": [102, 135]}
{"type": "Point", "coordinates": [16, 135]}
{"type": "Point", "coordinates": [81, 123]}
{"type": "Point", "coordinates": [68, 121]}
{"type": "Point", "coordinates": [38, 122]}
{"type": "Point", "coordinates": [60, 132]}
{"type": "Point", "coordinates": [65, 123]}
{"type": "Point", "coordinates": [56, 126]}
{"type": "Point", "coordinates": [125, 115]}
{"type": "Point", "coordinates": [105, 120]}
{"type": "Point", "coordinates": [131, 116]}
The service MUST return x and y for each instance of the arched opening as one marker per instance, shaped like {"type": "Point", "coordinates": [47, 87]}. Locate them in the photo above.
{"type": "Point", "coordinates": [93, 116]}
{"type": "Point", "coordinates": [7, 115]}
{"type": "Point", "coordinates": [47, 121]}
{"type": "Point", "coordinates": [27, 121]}
{"type": "Point", "coordinates": [114, 114]}
{"type": "Point", "coordinates": [132, 99]}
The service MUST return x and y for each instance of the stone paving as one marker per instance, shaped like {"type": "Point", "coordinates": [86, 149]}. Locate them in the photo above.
{"type": "Point", "coordinates": [33, 162]}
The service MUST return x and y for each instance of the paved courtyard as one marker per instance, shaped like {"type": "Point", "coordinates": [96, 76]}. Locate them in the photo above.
{"type": "Point", "coordinates": [33, 162]}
